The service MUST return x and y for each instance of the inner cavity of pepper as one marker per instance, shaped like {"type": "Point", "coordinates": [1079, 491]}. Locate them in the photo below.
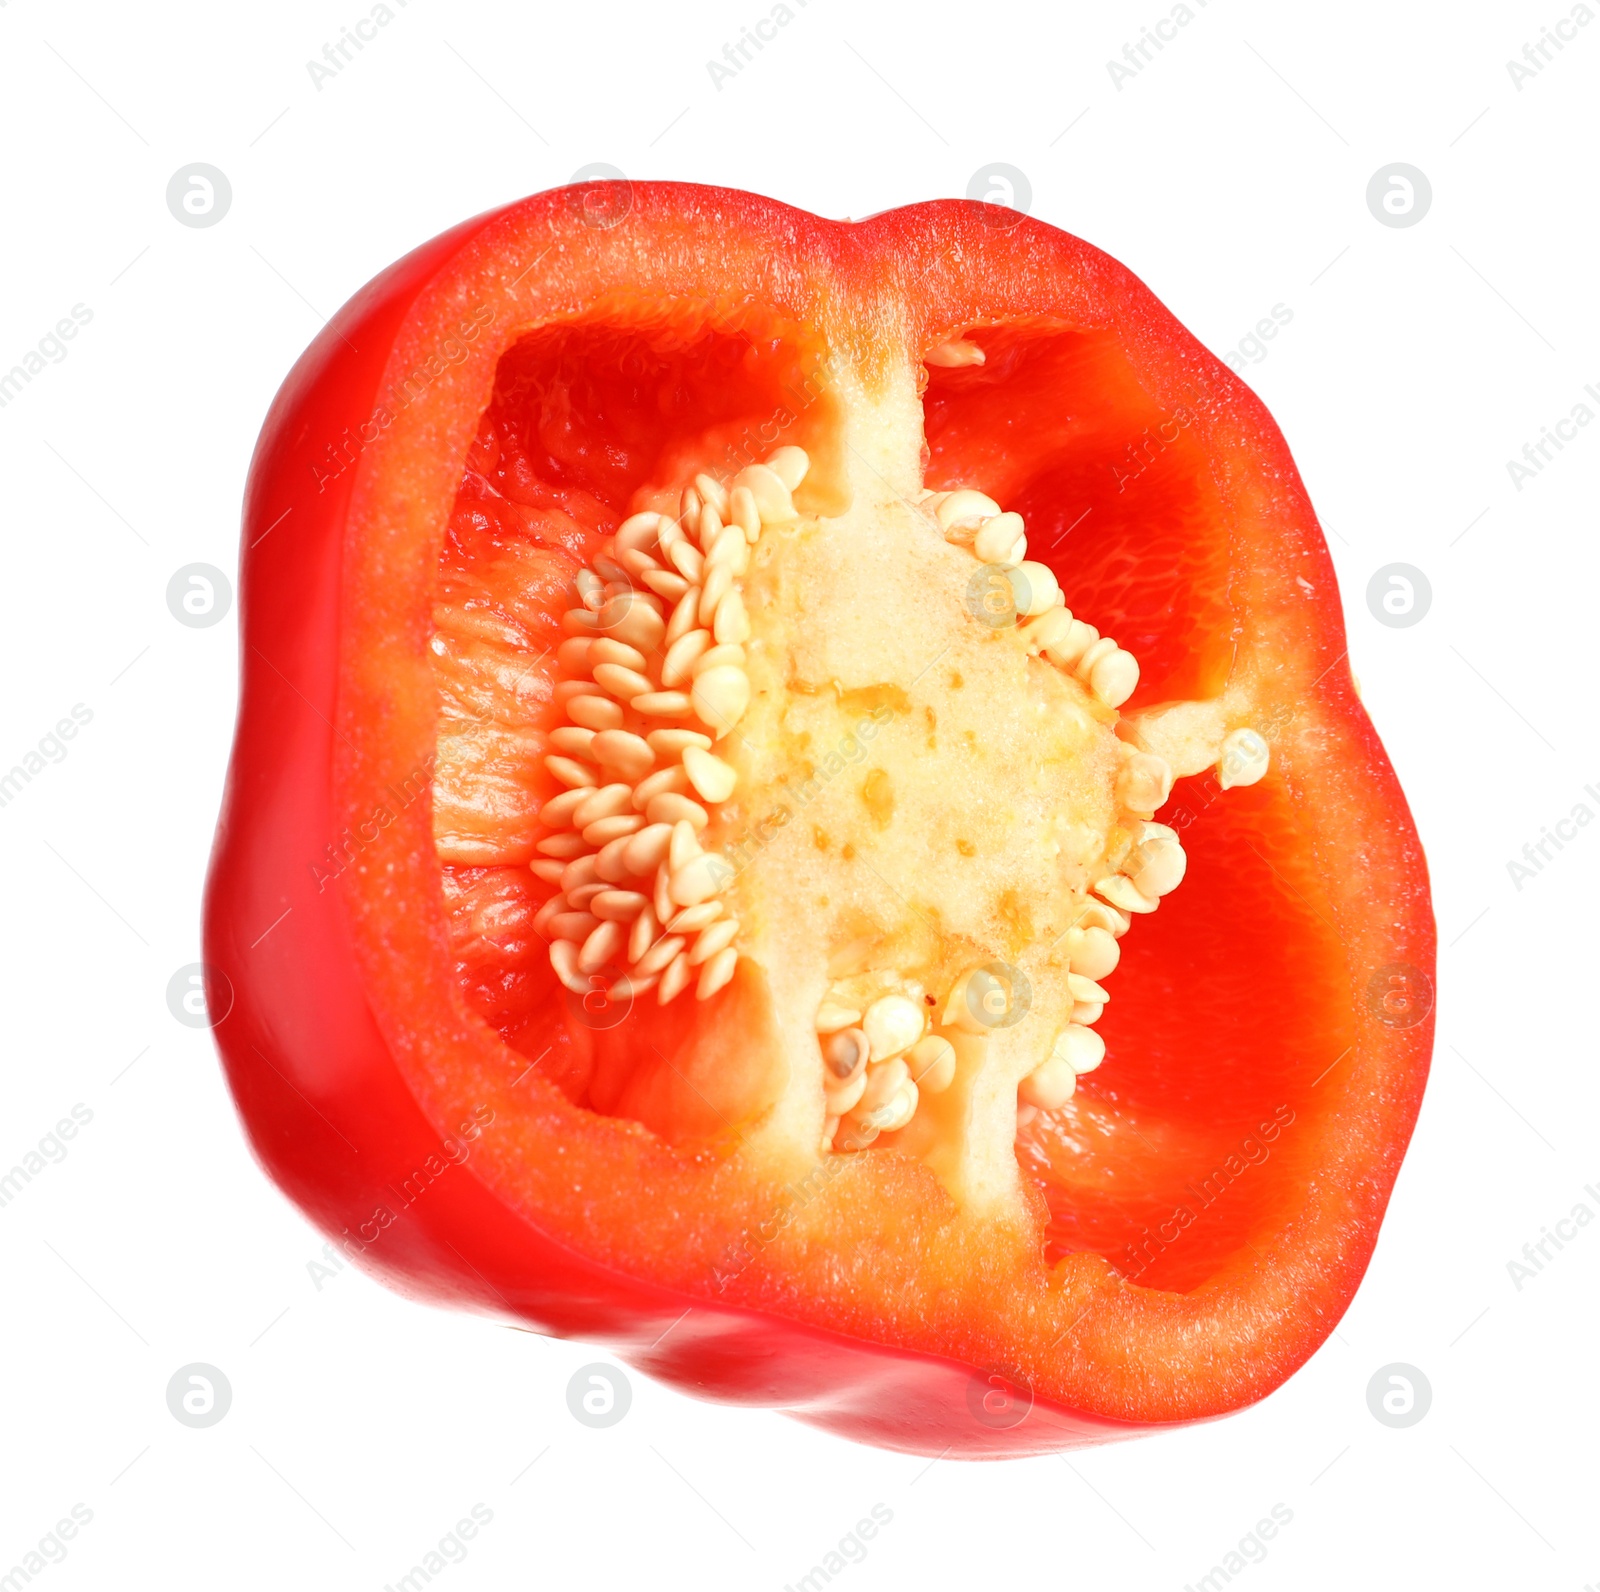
{"type": "Point", "coordinates": [784, 795]}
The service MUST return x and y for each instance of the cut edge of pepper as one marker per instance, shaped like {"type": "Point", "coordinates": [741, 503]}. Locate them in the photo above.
{"type": "Point", "coordinates": [370, 687]}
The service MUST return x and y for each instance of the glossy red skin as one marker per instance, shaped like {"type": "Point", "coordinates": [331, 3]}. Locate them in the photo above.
{"type": "Point", "coordinates": [326, 1107]}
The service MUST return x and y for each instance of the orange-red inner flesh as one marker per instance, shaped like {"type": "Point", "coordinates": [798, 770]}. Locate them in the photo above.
{"type": "Point", "coordinates": [1222, 1010]}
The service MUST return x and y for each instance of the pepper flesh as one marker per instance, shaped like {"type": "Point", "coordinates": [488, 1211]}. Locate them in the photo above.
{"type": "Point", "coordinates": [867, 1302]}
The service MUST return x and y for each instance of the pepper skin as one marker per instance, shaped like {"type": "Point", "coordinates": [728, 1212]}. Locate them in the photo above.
{"type": "Point", "coordinates": [1271, 1026]}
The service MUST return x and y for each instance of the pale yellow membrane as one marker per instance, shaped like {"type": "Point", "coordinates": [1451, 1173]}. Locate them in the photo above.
{"type": "Point", "coordinates": [942, 795]}
{"type": "Point", "coordinates": [911, 794]}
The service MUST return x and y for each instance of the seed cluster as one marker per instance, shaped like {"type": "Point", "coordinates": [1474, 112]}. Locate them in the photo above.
{"type": "Point", "coordinates": [878, 1057]}
{"type": "Point", "coordinates": [879, 1052]}
{"type": "Point", "coordinates": [647, 693]}
{"type": "Point", "coordinates": [652, 678]}
{"type": "Point", "coordinates": [970, 519]}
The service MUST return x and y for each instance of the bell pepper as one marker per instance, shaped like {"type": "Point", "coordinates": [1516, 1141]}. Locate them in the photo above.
{"type": "Point", "coordinates": [744, 1002]}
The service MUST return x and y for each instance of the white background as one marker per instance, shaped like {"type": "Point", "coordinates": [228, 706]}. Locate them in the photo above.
{"type": "Point", "coordinates": [1230, 173]}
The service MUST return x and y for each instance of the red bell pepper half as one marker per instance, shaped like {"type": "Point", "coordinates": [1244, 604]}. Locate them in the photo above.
{"type": "Point", "coordinates": [997, 1244]}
